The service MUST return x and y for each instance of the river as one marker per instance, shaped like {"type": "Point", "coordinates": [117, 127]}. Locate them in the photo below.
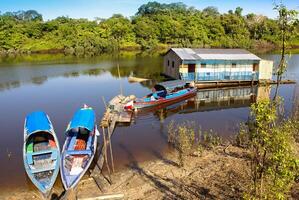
{"type": "Point", "coordinates": [60, 85]}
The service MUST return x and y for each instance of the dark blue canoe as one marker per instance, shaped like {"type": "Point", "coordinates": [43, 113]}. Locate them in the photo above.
{"type": "Point", "coordinates": [41, 152]}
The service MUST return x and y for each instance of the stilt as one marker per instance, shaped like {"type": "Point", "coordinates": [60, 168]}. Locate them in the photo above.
{"type": "Point", "coordinates": [111, 153]}
{"type": "Point", "coordinates": [114, 114]}
{"type": "Point", "coordinates": [105, 153]}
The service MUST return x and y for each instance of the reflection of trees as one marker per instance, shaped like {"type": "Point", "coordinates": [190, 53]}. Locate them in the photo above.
{"type": "Point", "coordinates": [124, 71]}
{"type": "Point", "coordinates": [93, 72]}
{"type": "Point", "coordinates": [140, 64]}
{"type": "Point", "coordinates": [149, 83]}
{"type": "Point", "coordinates": [143, 68]}
{"type": "Point", "coordinates": [71, 74]}
{"type": "Point", "coordinates": [9, 85]}
{"type": "Point", "coordinates": [39, 80]}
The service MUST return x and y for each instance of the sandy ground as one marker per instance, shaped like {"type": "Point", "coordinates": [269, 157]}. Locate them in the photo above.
{"type": "Point", "coordinates": [216, 174]}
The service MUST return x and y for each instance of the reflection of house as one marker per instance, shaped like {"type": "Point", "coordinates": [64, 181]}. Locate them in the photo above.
{"type": "Point", "coordinates": [213, 99]}
{"type": "Point", "coordinates": [216, 65]}
{"type": "Point", "coordinates": [225, 98]}
{"type": "Point", "coordinates": [263, 93]}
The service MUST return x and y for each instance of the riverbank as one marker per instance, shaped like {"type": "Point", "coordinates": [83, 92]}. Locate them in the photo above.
{"type": "Point", "coordinates": [219, 173]}
{"type": "Point", "coordinates": [62, 55]}
{"type": "Point", "coordinates": [214, 174]}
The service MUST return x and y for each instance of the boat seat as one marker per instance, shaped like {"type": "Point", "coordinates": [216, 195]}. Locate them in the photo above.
{"type": "Point", "coordinates": [29, 156]}
{"type": "Point", "coordinates": [72, 143]}
{"type": "Point", "coordinates": [54, 155]}
{"type": "Point", "coordinates": [79, 152]}
{"type": "Point", "coordinates": [52, 167]}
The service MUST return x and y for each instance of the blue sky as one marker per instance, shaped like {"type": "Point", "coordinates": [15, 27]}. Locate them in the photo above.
{"type": "Point", "coordinates": [105, 8]}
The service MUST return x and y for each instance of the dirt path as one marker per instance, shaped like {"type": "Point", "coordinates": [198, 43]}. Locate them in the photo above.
{"type": "Point", "coordinates": [214, 175]}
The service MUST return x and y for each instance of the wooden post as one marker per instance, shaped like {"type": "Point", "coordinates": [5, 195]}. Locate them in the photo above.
{"type": "Point", "coordinates": [111, 153]}
{"type": "Point", "coordinates": [121, 88]}
{"type": "Point", "coordinates": [105, 150]}
{"type": "Point", "coordinates": [103, 98]}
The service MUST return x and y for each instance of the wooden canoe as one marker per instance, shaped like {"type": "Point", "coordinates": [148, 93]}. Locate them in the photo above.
{"type": "Point", "coordinates": [79, 147]}
{"type": "Point", "coordinates": [41, 153]}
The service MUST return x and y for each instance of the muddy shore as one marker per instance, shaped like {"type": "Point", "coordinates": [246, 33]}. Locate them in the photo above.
{"type": "Point", "coordinates": [220, 173]}
{"type": "Point", "coordinates": [216, 174]}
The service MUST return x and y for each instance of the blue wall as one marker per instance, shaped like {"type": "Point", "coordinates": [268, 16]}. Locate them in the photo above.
{"type": "Point", "coordinates": [219, 76]}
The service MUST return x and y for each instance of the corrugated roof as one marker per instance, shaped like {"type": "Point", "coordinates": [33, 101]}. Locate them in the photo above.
{"type": "Point", "coordinates": [172, 84]}
{"type": "Point", "coordinates": [214, 54]}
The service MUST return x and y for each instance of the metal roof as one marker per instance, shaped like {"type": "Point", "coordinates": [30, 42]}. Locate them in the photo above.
{"type": "Point", "coordinates": [214, 54]}
{"type": "Point", "coordinates": [169, 85]}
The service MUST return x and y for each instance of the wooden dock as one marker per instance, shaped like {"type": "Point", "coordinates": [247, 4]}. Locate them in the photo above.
{"type": "Point", "coordinates": [221, 84]}
{"type": "Point", "coordinates": [114, 114]}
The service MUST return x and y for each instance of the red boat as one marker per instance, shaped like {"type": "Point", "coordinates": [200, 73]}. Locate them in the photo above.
{"type": "Point", "coordinates": [168, 92]}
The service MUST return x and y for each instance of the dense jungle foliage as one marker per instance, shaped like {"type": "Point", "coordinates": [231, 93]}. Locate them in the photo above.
{"type": "Point", "coordinates": [154, 25]}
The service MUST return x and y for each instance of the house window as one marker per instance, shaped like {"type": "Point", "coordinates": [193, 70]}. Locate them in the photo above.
{"type": "Point", "coordinates": [234, 65]}
{"type": "Point", "coordinates": [168, 63]}
{"type": "Point", "coordinates": [172, 64]}
{"type": "Point", "coordinates": [203, 65]}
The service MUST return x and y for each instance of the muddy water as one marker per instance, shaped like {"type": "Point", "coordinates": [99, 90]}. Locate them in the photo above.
{"type": "Point", "coordinates": [60, 85]}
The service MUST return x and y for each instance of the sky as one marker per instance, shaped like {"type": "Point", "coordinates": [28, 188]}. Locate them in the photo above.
{"type": "Point", "coordinates": [91, 9]}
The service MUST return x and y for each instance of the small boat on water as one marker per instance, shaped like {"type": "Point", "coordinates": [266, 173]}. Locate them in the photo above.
{"type": "Point", "coordinates": [79, 147]}
{"type": "Point", "coordinates": [41, 153]}
{"type": "Point", "coordinates": [164, 93]}
{"type": "Point", "coordinates": [133, 79]}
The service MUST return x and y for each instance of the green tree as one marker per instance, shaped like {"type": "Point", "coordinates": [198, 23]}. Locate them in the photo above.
{"type": "Point", "coordinates": [211, 11]}
{"type": "Point", "coordinates": [286, 21]}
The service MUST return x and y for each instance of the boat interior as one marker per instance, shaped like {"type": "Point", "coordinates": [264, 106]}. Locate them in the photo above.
{"type": "Point", "coordinates": [160, 91]}
{"type": "Point", "coordinates": [80, 141]}
{"type": "Point", "coordinates": [77, 153]}
{"type": "Point", "coordinates": [41, 155]}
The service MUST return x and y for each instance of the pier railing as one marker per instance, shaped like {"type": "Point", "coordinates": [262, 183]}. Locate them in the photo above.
{"type": "Point", "coordinates": [222, 76]}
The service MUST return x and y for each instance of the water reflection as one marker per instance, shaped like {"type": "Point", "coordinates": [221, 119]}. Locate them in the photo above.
{"type": "Point", "coordinates": [39, 80]}
{"type": "Point", "coordinates": [216, 99]}
{"type": "Point", "coordinates": [26, 70]}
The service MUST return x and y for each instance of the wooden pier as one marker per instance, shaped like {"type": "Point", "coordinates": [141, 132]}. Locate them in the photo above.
{"type": "Point", "coordinates": [114, 114]}
{"type": "Point", "coordinates": [221, 84]}
{"type": "Point", "coordinates": [115, 111]}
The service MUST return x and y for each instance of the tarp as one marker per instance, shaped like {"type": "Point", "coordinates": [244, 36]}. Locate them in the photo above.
{"type": "Point", "coordinates": [169, 85]}
{"type": "Point", "coordinates": [37, 121]}
{"type": "Point", "coordinates": [84, 118]}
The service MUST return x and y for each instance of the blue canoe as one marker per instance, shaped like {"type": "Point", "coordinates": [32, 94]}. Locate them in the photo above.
{"type": "Point", "coordinates": [79, 147]}
{"type": "Point", "coordinates": [41, 153]}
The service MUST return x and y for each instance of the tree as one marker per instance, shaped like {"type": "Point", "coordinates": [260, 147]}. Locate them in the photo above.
{"type": "Point", "coordinates": [29, 15]}
{"type": "Point", "coordinates": [238, 11]}
{"type": "Point", "coordinates": [273, 163]}
{"type": "Point", "coordinates": [118, 28]}
{"type": "Point", "coordinates": [286, 20]}
{"type": "Point", "coordinates": [210, 11]}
